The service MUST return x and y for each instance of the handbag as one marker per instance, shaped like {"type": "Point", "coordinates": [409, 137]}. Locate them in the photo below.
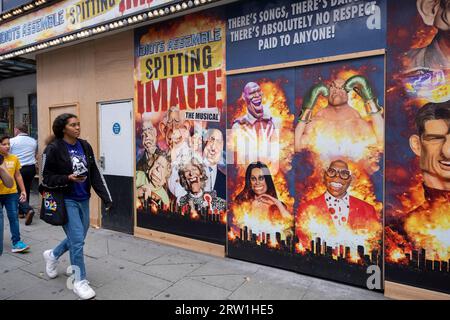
{"type": "Point", "coordinates": [53, 208]}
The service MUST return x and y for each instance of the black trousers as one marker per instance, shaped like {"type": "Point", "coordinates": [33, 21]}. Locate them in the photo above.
{"type": "Point", "coordinates": [28, 173]}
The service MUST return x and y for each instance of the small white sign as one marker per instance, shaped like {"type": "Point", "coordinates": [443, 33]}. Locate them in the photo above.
{"type": "Point", "coordinates": [204, 114]}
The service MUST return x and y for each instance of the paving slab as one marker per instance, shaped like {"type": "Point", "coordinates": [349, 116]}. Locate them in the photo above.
{"type": "Point", "coordinates": [8, 262]}
{"type": "Point", "coordinates": [135, 253]}
{"type": "Point", "coordinates": [35, 252]}
{"type": "Point", "coordinates": [53, 232]}
{"type": "Point", "coordinates": [227, 282]}
{"type": "Point", "coordinates": [170, 272]}
{"type": "Point", "coordinates": [133, 285]}
{"type": "Point", "coordinates": [122, 237]}
{"type": "Point", "coordinates": [114, 263]}
{"type": "Point", "coordinates": [37, 224]}
{"type": "Point", "coordinates": [47, 292]}
{"type": "Point", "coordinates": [95, 246]}
{"type": "Point", "coordinates": [37, 268]}
{"type": "Point", "coordinates": [99, 275]}
{"type": "Point", "coordinates": [180, 258]}
{"type": "Point", "coordinates": [327, 290]}
{"type": "Point", "coordinates": [259, 288]}
{"type": "Point", "coordinates": [283, 277]}
{"type": "Point", "coordinates": [16, 281]}
{"type": "Point", "coordinates": [190, 289]}
{"type": "Point", "coordinates": [226, 266]}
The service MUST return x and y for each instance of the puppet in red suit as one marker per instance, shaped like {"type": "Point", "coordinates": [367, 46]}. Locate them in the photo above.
{"type": "Point", "coordinates": [336, 207]}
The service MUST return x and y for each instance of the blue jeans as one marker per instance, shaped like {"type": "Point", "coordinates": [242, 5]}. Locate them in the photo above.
{"type": "Point", "coordinates": [76, 229]}
{"type": "Point", "coordinates": [10, 202]}
{"type": "Point", "coordinates": [28, 172]}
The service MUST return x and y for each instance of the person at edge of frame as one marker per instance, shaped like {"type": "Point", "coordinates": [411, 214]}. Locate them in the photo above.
{"type": "Point", "coordinates": [9, 196]}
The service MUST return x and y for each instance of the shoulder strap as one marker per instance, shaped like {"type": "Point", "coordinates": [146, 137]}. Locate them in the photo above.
{"type": "Point", "coordinates": [86, 147]}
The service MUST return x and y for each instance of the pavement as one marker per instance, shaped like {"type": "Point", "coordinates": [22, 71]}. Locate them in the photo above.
{"type": "Point", "coordinates": [122, 267]}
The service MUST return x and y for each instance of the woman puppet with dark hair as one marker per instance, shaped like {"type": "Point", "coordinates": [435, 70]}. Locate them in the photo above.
{"type": "Point", "coordinates": [259, 192]}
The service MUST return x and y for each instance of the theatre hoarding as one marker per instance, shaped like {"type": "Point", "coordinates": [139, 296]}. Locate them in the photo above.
{"type": "Point", "coordinates": [259, 127]}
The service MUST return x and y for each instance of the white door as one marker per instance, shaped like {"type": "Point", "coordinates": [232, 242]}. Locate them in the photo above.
{"type": "Point", "coordinates": [116, 162]}
{"type": "Point", "coordinates": [116, 138]}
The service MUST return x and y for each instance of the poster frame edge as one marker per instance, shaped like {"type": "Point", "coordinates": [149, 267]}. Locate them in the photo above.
{"type": "Point", "coordinates": [340, 57]}
{"type": "Point", "coordinates": [399, 291]}
{"type": "Point", "coordinates": [200, 246]}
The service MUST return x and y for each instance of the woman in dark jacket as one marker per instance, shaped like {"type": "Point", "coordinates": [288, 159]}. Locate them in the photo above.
{"type": "Point", "coordinates": [68, 163]}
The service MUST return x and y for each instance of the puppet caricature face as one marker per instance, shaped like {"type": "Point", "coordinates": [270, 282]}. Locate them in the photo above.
{"type": "Point", "coordinates": [174, 129]}
{"type": "Point", "coordinates": [213, 148]}
{"type": "Point", "coordinates": [159, 172]}
{"type": "Point", "coordinates": [258, 181]}
{"type": "Point", "coordinates": [433, 148]}
{"type": "Point", "coordinates": [253, 97]}
{"type": "Point", "coordinates": [338, 96]}
{"type": "Point", "coordinates": [193, 177]}
{"type": "Point", "coordinates": [435, 13]}
{"type": "Point", "coordinates": [337, 179]}
{"type": "Point", "coordinates": [149, 137]}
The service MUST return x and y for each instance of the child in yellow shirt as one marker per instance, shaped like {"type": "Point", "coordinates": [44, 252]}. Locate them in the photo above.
{"type": "Point", "coordinates": [10, 199]}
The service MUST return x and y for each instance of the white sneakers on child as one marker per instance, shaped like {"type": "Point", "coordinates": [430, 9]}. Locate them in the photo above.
{"type": "Point", "coordinates": [83, 290]}
{"type": "Point", "coordinates": [51, 264]}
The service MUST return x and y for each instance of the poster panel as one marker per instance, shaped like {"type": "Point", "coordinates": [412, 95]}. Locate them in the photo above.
{"type": "Point", "coordinates": [272, 32]}
{"type": "Point", "coordinates": [180, 127]}
{"type": "Point", "coordinates": [305, 169]}
{"type": "Point", "coordinates": [260, 148]}
{"type": "Point", "coordinates": [339, 140]}
{"type": "Point", "coordinates": [417, 233]}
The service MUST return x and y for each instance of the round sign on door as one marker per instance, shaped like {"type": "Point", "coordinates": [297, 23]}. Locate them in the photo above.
{"type": "Point", "coordinates": [116, 128]}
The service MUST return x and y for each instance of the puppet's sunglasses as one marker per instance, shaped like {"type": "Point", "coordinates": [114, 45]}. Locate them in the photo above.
{"type": "Point", "coordinates": [343, 173]}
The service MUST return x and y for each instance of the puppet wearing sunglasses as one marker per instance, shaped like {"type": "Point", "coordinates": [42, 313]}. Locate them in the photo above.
{"type": "Point", "coordinates": [336, 206]}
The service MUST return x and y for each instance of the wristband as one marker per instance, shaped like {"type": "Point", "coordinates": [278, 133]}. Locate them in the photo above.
{"type": "Point", "coordinates": [305, 116]}
{"type": "Point", "coordinates": [372, 107]}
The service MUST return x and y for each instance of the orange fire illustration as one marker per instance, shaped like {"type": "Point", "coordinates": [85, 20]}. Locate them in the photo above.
{"type": "Point", "coordinates": [254, 217]}
{"type": "Point", "coordinates": [358, 146]}
{"type": "Point", "coordinates": [414, 197]}
{"type": "Point", "coordinates": [194, 214]}
{"type": "Point", "coordinates": [423, 36]}
{"type": "Point", "coordinates": [344, 138]}
{"type": "Point", "coordinates": [261, 223]}
{"type": "Point", "coordinates": [417, 225]}
{"type": "Point", "coordinates": [231, 235]}
{"type": "Point", "coordinates": [427, 228]}
{"type": "Point", "coordinates": [315, 225]}
{"type": "Point", "coordinates": [396, 245]}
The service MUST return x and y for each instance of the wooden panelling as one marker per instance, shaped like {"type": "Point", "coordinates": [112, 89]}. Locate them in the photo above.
{"type": "Point", "coordinates": [299, 63]}
{"type": "Point", "coordinates": [83, 75]}
{"type": "Point", "coordinates": [403, 292]}
{"type": "Point", "coordinates": [56, 110]}
{"type": "Point", "coordinates": [181, 242]}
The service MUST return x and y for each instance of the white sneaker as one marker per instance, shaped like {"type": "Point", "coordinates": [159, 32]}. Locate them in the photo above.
{"type": "Point", "coordinates": [83, 290]}
{"type": "Point", "coordinates": [51, 264]}
{"type": "Point", "coordinates": [67, 273]}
